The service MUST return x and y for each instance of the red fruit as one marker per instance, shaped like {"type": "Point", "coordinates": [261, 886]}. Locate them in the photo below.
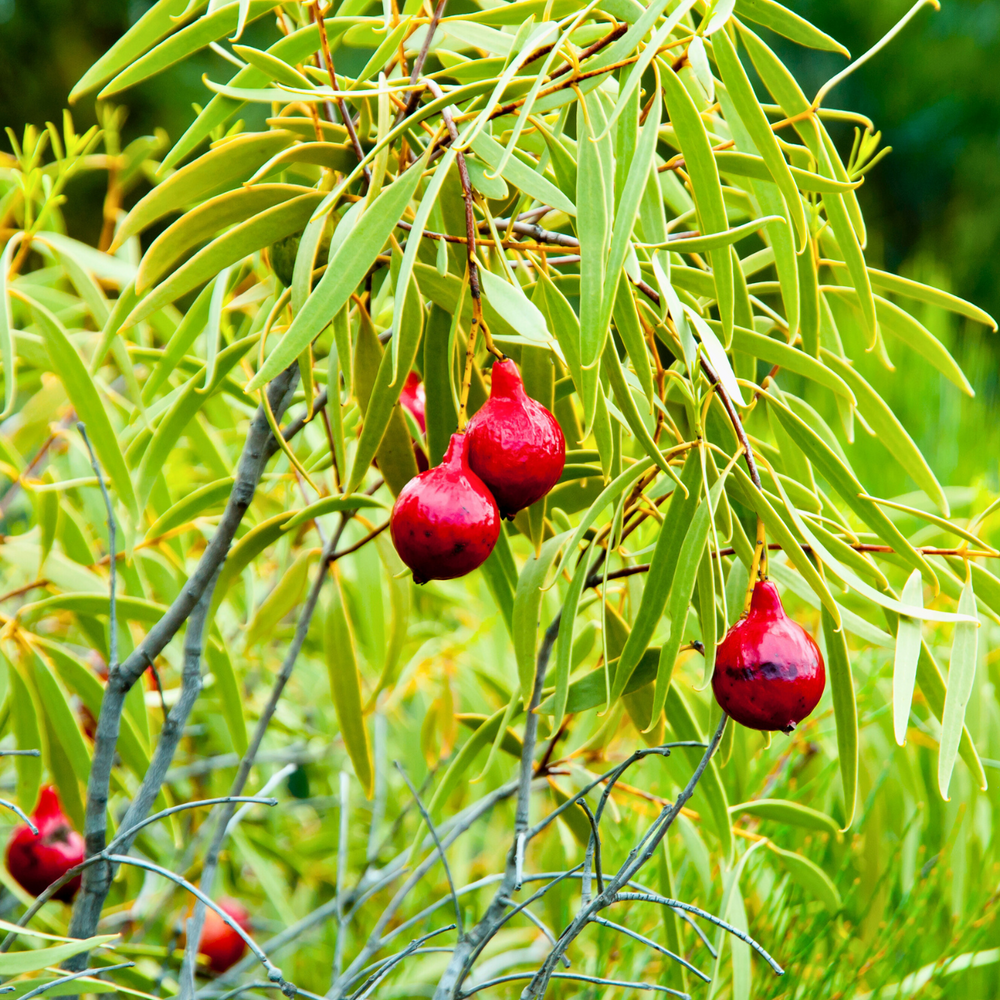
{"type": "Point", "coordinates": [515, 445]}
{"type": "Point", "coordinates": [36, 861]}
{"type": "Point", "coordinates": [769, 674]}
{"type": "Point", "coordinates": [220, 944]}
{"type": "Point", "coordinates": [414, 398]}
{"type": "Point", "coordinates": [445, 521]}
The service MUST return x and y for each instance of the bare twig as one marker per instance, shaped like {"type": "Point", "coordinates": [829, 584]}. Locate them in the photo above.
{"type": "Point", "coordinates": [437, 843]}
{"type": "Point", "coordinates": [97, 971]}
{"type": "Point", "coordinates": [20, 813]}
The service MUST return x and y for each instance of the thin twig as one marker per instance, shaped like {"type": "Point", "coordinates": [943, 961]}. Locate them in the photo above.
{"type": "Point", "coordinates": [437, 843]}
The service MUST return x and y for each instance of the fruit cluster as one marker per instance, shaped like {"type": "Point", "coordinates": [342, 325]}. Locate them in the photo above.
{"type": "Point", "coordinates": [446, 520]}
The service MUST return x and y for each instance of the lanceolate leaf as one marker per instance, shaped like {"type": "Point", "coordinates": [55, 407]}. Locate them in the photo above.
{"type": "Point", "coordinates": [961, 677]}
{"type": "Point", "coordinates": [347, 268]}
{"type": "Point", "coordinates": [88, 405]}
{"type": "Point", "coordinates": [220, 169]}
{"type": "Point", "coordinates": [845, 711]}
{"type": "Point", "coordinates": [704, 174]}
{"type": "Point", "coordinates": [904, 670]}
{"type": "Point", "coordinates": [810, 876]}
{"type": "Point", "coordinates": [260, 231]}
{"type": "Point", "coordinates": [785, 22]}
{"type": "Point", "coordinates": [345, 686]}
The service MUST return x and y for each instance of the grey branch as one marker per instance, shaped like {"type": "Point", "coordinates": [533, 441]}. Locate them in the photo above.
{"type": "Point", "coordinates": [578, 977]}
{"type": "Point", "coordinates": [437, 843]}
{"type": "Point", "coordinates": [259, 447]}
{"type": "Point", "coordinates": [97, 971]}
{"type": "Point", "coordinates": [21, 813]}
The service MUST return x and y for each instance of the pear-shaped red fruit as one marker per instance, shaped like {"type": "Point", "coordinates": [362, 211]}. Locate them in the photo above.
{"type": "Point", "coordinates": [445, 521]}
{"type": "Point", "coordinates": [515, 445]}
{"type": "Point", "coordinates": [38, 860]}
{"type": "Point", "coordinates": [414, 398]}
{"type": "Point", "coordinates": [220, 944]}
{"type": "Point", "coordinates": [769, 673]}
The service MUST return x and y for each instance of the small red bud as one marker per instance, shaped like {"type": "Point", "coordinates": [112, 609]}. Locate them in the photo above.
{"type": "Point", "coordinates": [769, 673]}
{"type": "Point", "coordinates": [515, 445]}
{"type": "Point", "coordinates": [445, 522]}
{"type": "Point", "coordinates": [38, 860]}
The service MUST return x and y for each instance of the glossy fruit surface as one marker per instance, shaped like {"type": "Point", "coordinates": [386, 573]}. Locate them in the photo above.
{"type": "Point", "coordinates": [220, 944]}
{"type": "Point", "coordinates": [414, 398]}
{"type": "Point", "coordinates": [769, 673]}
{"type": "Point", "coordinates": [515, 445]}
{"type": "Point", "coordinates": [445, 521]}
{"type": "Point", "coordinates": [36, 861]}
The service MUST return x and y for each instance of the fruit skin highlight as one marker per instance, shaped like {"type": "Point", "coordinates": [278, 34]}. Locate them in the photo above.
{"type": "Point", "coordinates": [220, 944]}
{"type": "Point", "coordinates": [38, 861]}
{"type": "Point", "coordinates": [445, 521]}
{"type": "Point", "coordinates": [516, 446]}
{"type": "Point", "coordinates": [769, 673]}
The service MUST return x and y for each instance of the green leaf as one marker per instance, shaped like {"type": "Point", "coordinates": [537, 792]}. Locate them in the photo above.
{"type": "Point", "coordinates": [889, 430]}
{"type": "Point", "coordinates": [961, 678]}
{"type": "Point", "coordinates": [81, 680]}
{"type": "Point", "coordinates": [345, 687]}
{"type": "Point", "coordinates": [785, 22]}
{"type": "Point", "coordinates": [286, 595]}
{"type": "Point", "coordinates": [810, 877]}
{"type": "Point", "coordinates": [759, 130]}
{"type": "Point", "coordinates": [329, 505]}
{"type": "Point", "coordinates": [787, 813]}
{"type": "Point", "coordinates": [345, 270]}
{"type": "Point", "coordinates": [527, 608]}
{"type": "Point", "coordinates": [209, 28]}
{"type": "Point", "coordinates": [231, 695]}
{"type": "Point", "coordinates": [840, 477]}
{"type": "Point", "coordinates": [845, 711]}
{"type": "Point", "coordinates": [748, 494]}
{"type": "Point", "coordinates": [261, 230]}
{"type": "Point", "coordinates": [222, 168]}
{"type": "Point", "coordinates": [895, 284]}
{"type": "Point", "coordinates": [79, 386]}
{"type": "Point", "coordinates": [427, 202]}
{"type": "Point", "coordinates": [749, 165]}
{"type": "Point", "coordinates": [190, 506]}
{"type": "Point", "coordinates": [19, 962]}
{"type": "Point", "coordinates": [27, 736]}
{"type": "Point", "coordinates": [913, 334]}
{"type": "Point", "coordinates": [660, 577]}
{"type": "Point", "coordinates": [788, 94]}
{"type": "Point", "coordinates": [523, 315]}
{"type": "Point", "coordinates": [776, 352]}
{"type": "Point", "coordinates": [564, 648]}
{"type": "Point", "coordinates": [594, 228]}
{"type": "Point", "coordinates": [8, 358]}
{"type": "Point", "coordinates": [683, 723]}
{"type": "Point", "coordinates": [156, 23]}
{"type": "Point", "coordinates": [245, 551]}
{"type": "Point", "coordinates": [132, 608]}
{"type": "Point", "coordinates": [904, 670]}
{"type": "Point", "coordinates": [62, 719]}
{"type": "Point", "coordinates": [384, 430]}
{"type": "Point", "coordinates": [204, 222]}
{"type": "Point", "coordinates": [707, 188]}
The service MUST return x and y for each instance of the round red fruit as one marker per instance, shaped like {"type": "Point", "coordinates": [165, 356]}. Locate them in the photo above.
{"type": "Point", "coordinates": [445, 522]}
{"type": "Point", "coordinates": [38, 860]}
{"type": "Point", "coordinates": [413, 398]}
{"type": "Point", "coordinates": [515, 445]}
{"type": "Point", "coordinates": [220, 944]}
{"type": "Point", "coordinates": [769, 673]}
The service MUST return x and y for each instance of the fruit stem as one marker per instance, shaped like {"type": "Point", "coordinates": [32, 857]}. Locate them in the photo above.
{"type": "Point", "coordinates": [758, 568]}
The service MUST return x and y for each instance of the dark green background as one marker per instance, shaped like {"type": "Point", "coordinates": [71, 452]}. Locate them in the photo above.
{"type": "Point", "coordinates": [933, 205]}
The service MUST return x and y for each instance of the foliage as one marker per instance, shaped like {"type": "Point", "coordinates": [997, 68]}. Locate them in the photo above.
{"type": "Point", "coordinates": [683, 282]}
